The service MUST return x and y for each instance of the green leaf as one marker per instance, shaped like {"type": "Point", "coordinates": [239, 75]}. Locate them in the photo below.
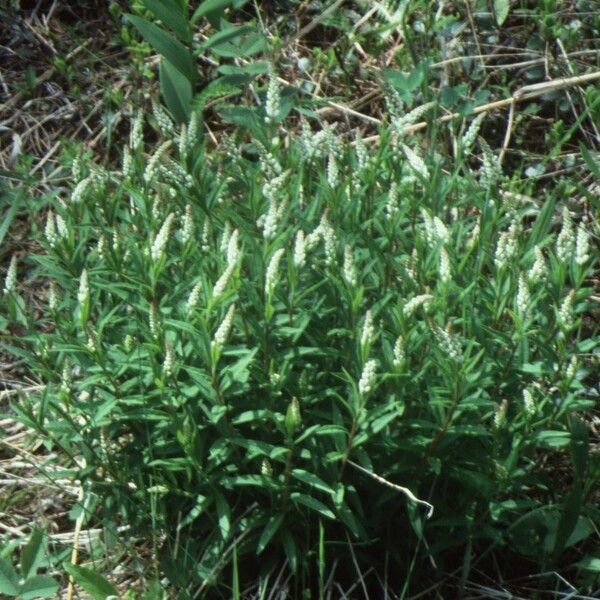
{"type": "Point", "coordinates": [579, 447]}
{"type": "Point", "coordinates": [224, 515]}
{"type": "Point", "coordinates": [225, 35]}
{"type": "Point", "coordinates": [172, 15]}
{"type": "Point", "coordinates": [93, 583]}
{"type": "Point", "coordinates": [542, 224]}
{"type": "Point", "coordinates": [312, 504]}
{"type": "Point", "coordinates": [164, 43]}
{"type": "Point", "coordinates": [589, 563]}
{"type": "Point", "coordinates": [209, 6]}
{"type": "Point", "coordinates": [311, 479]}
{"type": "Point", "coordinates": [32, 553]}
{"type": "Point", "coordinates": [269, 531]}
{"type": "Point", "coordinates": [501, 8]}
{"type": "Point", "coordinates": [255, 68]}
{"type": "Point", "coordinates": [9, 580]}
{"type": "Point", "coordinates": [176, 90]}
{"type": "Point", "coordinates": [10, 214]}
{"type": "Point", "coordinates": [39, 586]}
{"type": "Point", "coordinates": [591, 162]}
{"type": "Point", "coordinates": [568, 520]}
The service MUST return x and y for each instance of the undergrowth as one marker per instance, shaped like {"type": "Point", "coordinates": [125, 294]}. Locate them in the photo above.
{"type": "Point", "coordinates": [248, 351]}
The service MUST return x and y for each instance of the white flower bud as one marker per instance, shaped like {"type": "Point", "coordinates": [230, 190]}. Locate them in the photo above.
{"type": "Point", "coordinates": [523, 297]}
{"type": "Point", "coordinates": [61, 227]}
{"type": "Point", "coordinates": [444, 269]}
{"type": "Point", "coordinates": [222, 282]}
{"type": "Point", "coordinates": [471, 133]}
{"type": "Point", "coordinates": [83, 295]}
{"type": "Point", "coordinates": [52, 297]}
{"type": "Point", "coordinates": [194, 297]}
{"type": "Point", "coordinates": [582, 245]}
{"type": "Point", "coordinates": [299, 249]}
{"type": "Point", "coordinates": [565, 242]}
{"type": "Point", "coordinates": [565, 313]}
{"type": "Point", "coordinates": [416, 162]}
{"type": "Point", "coordinates": [163, 120]}
{"type": "Point", "coordinates": [528, 403]}
{"type": "Point", "coordinates": [368, 377]}
{"type": "Point", "coordinates": [538, 270]}
{"type": "Point", "coordinates": [448, 343]}
{"type": "Point", "coordinates": [187, 226]}
{"type": "Point", "coordinates": [162, 238]}
{"type": "Point", "coordinates": [127, 163]}
{"type": "Point", "coordinates": [391, 206]}
{"type": "Point", "coordinates": [273, 99]}
{"type": "Point", "coordinates": [368, 330]}
{"type": "Point", "coordinates": [500, 414]}
{"type": "Point", "coordinates": [412, 305]}
{"type": "Point", "coordinates": [571, 368]}
{"type": "Point", "coordinates": [169, 361]}
{"type": "Point", "coordinates": [349, 270]}
{"type": "Point", "coordinates": [224, 329]}
{"type": "Point", "coordinates": [233, 251]}
{"type": "Point", "coordinates": [399, 354]}
{"type": "Point", "coordinates": [50, 230]}
{"type": "Point", "coordinates": [136, 137]}
{"type": "Point", "coordinates": [10, 283]}
{"type": "Point", "coordinates": [271, 274]}
{"type": "Point", "coordinates": [80, 190]}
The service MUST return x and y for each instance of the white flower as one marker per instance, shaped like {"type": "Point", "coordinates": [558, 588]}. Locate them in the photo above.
{"type": "Point", "coordinates": [416, 162]}
{"type": "Point", "coordinates": [422, 300]}
{"type": "Point", "coordinates": [538, 270]}
{"type": "Point", "coordinates": [61, 227]}
{"type": "Point", "coordinates": [399, 354]}
{"type": "Point", "coordinates": [368, 330]}
{"type": "Point", "coordinates": [474, 235]}
{"type": "Point", "coordinates": [136, 138]}
{"type": "Point", "coordinates": [582, 245]}
{"type": "Point", "coordinates": [565, 313]}
{"type": "Point", "coordinates": [169, 361]}
{"type": "Point", "coordinates": [50, 230]}
{"type": "Point", "coordinates": [566, 238]}
{"type": "Point", "coordinates": [507, 246]}
{"type": "Point", "coordinates": [194, 297]}
{"type": "Point", "coordinates": [162, 238]}
{"type": "Point", "coordinates": [233, 251]}
{"type": "Point", "coordinates": [152, 166]}
{"type": "Point", "coordinates": [163, 120]}
{"type": "Point", "coordinates": [332, 171]}
{"type": "Point", "coordinates": [83, 295]}
{"type": "Point", "coordinates": [362, 154]}
{"type": "Point", "coordinates": [445, 270]}
{"type": "Point", "coordinates": [52, 297]}
{"type": "Point", "coordinates": [349, 270]}
{"type": "Point", "coordinates": [471, 133]}
{"type": "Point", "coordinates": [270, 221]}
{"type": "Point", "coordinates": [10, 283]}
{"type": "Point", "coordinates": [299, 249]}
{"type": "Point", "coordinates": [368, 377]}
{"type": "Point", "coordinates": [399, 124]}
{"type": "Point", "coordinates": [80, 189]}
{"type": "Point", "coordinates": [571, 368]}
{"type": "Point", "coordinates": [448, 343]}
{"type": "Point", "coordinates": [272, 268]}
{"type": "Point", "coordinates": [192, 132]}
{"type": "Point", "coordinates": [183, 142]}
{"type": "Point", "coordinates": [273, 100]}
{"type": "Point", "coordinates": [222, 332]}
{"type": "Point", "coordinates": [101, 247]}
{"type": "Point", "coordinates": [391, 206]}
{"type": "Point", "coordinates": [223, 245]}
{"type": "Point", "coordinates": [523, 297]}
{"type": "Point", "coordinates": [528, 403]}
{"type": "Point", "coordinates": [127, 163]}
{"type": "Point", "coordinates": [153, 321]}
{"type": "Point", "coordinates": [500, 414]}
{"type": "Point", "coordinates": [222, 282]}
{"type": "Point", "coordinates": [187, 228]}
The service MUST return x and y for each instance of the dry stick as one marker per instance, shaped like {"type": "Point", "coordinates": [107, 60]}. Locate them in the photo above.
{"type": "Point", "coordinates": [394, 486]}
{"type": "Point", "coordinates": [74, 552]}
{"type": "Point", "coordinates": [524, 93]}
{"type": "Point", "coordinates": [507, 134]}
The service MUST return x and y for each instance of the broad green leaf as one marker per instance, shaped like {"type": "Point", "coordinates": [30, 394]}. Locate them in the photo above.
{"type": "Point", "coordinates": [9, 579]}
{"type": "Point", "coordinates": [255, 68]}
{"type": "Point", "coordinates": [224, 515]}
{"type": "Point", "coordinates": [311, 479]}
{"type": "Point", "coordinates": [269, 531]}
{"type": "Point", "coordinates": [591, 162]}
{"type": "Point", "coordinates": [176, 90]}
{"type": "Point", "coordinates": [225, 35]}
{"type": "Point", "coordinates": [164, 43]}
{"type": "Point", "coordinates": [39, 586]}
{"type": "Point", "coordinates": [542, 223]}
{"type": "Point", "coordinates": [32, 553]}
{"type": "Point", "coordinates": [568, 520]}
{"type": "Point", "coordinates": [589, 563]}
{"type": "Point", "coordinates": [553, 439]}
{"type": "Point", "coordinates": [10, 214]}
{"type": "Point", "coordinates": [579, 447]}
{"type": "Point", "coordinates": [171, 14]}
{"type": "Point", "coordinates": [291, 550]}
{"type": "Point", "coordinates": [209, 6]}
{"type": "Point", "coordinates": [312, 504]}
{"type": "Point", "coordinates": [501, 9]}
{"type": "Point", "coordinates": [92, 582]}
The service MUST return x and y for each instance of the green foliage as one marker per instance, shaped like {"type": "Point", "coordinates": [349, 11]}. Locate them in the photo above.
{"type": "Point", "coordinates": [25, 583]}
{"type": "Point", "coordinates": [174, 41]}
{"type": "Point", "coordinates": [253, 350]}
